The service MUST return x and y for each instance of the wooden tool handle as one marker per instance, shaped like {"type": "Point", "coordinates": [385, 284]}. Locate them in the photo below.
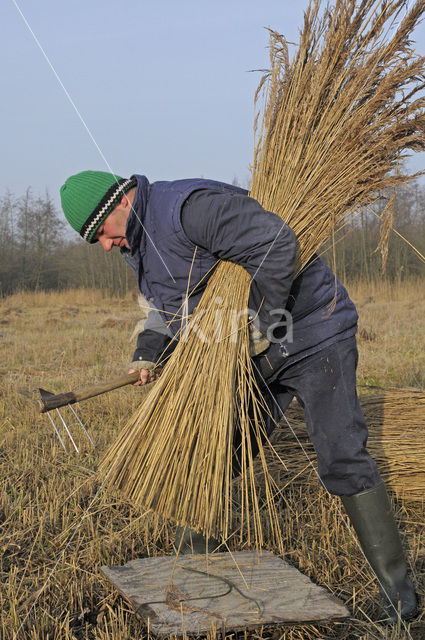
{"type": "Point", "coordinates": [61, 399]}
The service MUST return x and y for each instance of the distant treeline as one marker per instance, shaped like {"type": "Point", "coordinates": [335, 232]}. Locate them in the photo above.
{"type": "Point", "coordinates": [36, 251]}
{"type": "Point", "coordinates": [353, 252]}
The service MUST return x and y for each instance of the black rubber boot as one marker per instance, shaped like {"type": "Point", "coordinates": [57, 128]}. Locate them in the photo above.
{"type": "Point", "coordinates": [371, 516]}
{"type": "Point", "coordinates": [193, 542]}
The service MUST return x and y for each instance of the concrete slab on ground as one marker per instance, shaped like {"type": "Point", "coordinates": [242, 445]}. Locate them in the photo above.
{"type": "Point", "coordinates": [196, 594]}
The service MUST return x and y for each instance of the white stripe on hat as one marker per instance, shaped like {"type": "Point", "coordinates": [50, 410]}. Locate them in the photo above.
{"type": "Point", "coordinates": [95, 222]}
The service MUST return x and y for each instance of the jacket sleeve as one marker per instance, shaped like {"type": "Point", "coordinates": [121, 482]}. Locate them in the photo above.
{"type": "Point", "coordinates": [155, 342]}
{"type": "Point", "coordinates": [235, 227]}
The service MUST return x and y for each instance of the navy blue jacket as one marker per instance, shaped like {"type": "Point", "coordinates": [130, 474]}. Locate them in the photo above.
{"type": "Point", "coordinates": [170, 220]}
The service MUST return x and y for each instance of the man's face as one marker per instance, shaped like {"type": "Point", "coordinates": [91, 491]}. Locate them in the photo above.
{"type": "Point", "coordinates": [111, 232]}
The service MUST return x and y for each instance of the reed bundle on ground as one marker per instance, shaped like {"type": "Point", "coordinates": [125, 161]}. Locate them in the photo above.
{"type": "Point", "coordinates": [396, 421]}
{"type": "Point", "coordinates": [337, 119]}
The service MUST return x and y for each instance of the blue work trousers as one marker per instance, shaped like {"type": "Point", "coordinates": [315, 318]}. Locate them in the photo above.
{"type": "Point", "coordinates": [324, 384]}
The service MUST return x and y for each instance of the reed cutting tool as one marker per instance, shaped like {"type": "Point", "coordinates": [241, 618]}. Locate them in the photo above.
{"type": "Point", "coordinates": [50, 402]}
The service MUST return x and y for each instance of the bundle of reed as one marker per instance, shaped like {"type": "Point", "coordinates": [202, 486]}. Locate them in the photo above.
{"type": "Point", "coordinates": [396, 421]}
{"type": "Point", "coordinates": [337, 120]}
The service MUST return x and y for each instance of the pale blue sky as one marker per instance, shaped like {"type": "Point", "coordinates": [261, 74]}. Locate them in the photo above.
{"type": "Point", "coordinates": [163, 86]}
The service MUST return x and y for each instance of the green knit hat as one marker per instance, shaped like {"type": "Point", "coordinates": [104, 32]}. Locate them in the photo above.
{"type": "Point", "coordinates": [89, 197]}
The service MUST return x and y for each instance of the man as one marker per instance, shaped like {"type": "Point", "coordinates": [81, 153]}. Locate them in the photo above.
{"type": "Point", "coordinates": [173, 234]}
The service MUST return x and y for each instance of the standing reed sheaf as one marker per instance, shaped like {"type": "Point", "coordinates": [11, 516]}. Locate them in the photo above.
{"type": "Point", "coordinates": [396, 419]}
{"type": "Point", "coordinates": [337, 120]}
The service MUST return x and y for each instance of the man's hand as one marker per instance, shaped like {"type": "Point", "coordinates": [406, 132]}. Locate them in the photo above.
{"type": "Point", "coordinates": [257, 342]}
{"type": "Point", "coordinates": [145, 376]}
{"type": "Point", "coordinates": [148, 372]}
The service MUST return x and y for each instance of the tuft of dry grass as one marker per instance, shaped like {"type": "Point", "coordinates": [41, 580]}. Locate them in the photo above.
{"type": "Point", "coordinates": [57, 528]}
{"type": "Point", "coordinates": [336, 121]}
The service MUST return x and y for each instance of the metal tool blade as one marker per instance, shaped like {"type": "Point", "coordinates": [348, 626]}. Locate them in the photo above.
{"type": "Point", "coordinates": [57, 432]}
{"type": "Point", "coordinates": [67, 430]}
{"type": "Point", "coordinates": [81, 424]}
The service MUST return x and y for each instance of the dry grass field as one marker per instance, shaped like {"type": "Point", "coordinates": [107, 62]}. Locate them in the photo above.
{"type": "Point", "coordinates": [57, 525]}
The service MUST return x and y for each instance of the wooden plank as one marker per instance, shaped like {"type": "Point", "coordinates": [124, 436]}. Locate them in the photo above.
{"type": "Point", "coordinates": [231, 591]}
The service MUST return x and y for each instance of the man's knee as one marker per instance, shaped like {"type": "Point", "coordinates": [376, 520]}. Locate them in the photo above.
{"type": "Point", "coordinates": [346, 478]}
